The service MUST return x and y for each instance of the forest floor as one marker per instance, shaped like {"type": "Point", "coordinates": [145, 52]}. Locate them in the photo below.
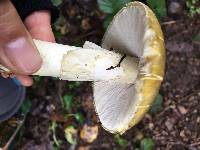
{"type": "Point", "coordinates": [60, 110]}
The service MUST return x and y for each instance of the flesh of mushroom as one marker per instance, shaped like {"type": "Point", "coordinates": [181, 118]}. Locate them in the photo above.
{"type": "Point", "coordinates": [85, 64]}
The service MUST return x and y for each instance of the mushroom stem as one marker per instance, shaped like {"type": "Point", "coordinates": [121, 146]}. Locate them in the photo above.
{"type": "Point", "coordinates": [85, 64]}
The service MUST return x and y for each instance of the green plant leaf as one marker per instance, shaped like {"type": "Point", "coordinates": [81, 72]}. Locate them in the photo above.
{"type": "Point", "coordinates": [56, 2]}
{"type": "Point", "coordinates": [106, 6]}
{"type": "Point", "coordinates": [112, 6]}
{"type": "Point", "coordinates": [196, 38]}
{"type": "Point", "coordinates": [53, 127]}
{"type": "Point", "coordinates": [56, 148]}
{"type": "Point", "coordinates": [56, 33]}
{"type": "Point", "coordinates": [159, 7]}
{"type": "Point", "coordinates": [193, 7]}
{"type": "Point", "coordinates": [107, 20]}
{"type": "Point", "coordinates": [37, 78]}
{"type": "Point", "coordinates": [26, 106]}
{"type": "Point", "coordinates": [79, 117]}
{"type": "Point", "coordinates": [121, 3]}
{"type": "Point", "coordinates": [73, 85]}
{"type": "Point", "coordinates": [157, 105]}
{"type": "Point", "coordinates": [67, 102]}
{"type": "Point", "coordinates": [120, 141]}
{"type": "Point", "coordinates": [147, 144]}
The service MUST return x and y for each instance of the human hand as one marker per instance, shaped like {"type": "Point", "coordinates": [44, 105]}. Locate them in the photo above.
{"type": "Point", "coordinates": [38, 25]}
{"type": "Point", "coordinates": [17, 50]}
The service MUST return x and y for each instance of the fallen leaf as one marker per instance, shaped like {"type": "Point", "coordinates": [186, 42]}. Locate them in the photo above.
{"type": "Point", "coordinates": [182, 110]}
{"type": "Point", "coordinates": [89, 133]}
{"type": "Point", "coordinates": [182, 134]}
{"type": "Point", "coordinates": [198, 120]}
{"type": "Point", "coordinates": [169, 124]}
{"type": "Point", "coordinates": [139, 135]}
{"type": "Point", "coordinates": [71, 134]}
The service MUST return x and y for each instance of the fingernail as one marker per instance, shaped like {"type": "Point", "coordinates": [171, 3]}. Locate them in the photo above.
{"type": "Point", "coordinates": [22, 54]}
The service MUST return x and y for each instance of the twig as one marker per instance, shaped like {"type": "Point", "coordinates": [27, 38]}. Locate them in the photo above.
{"type": "Point", "coordinates": [72, 147]}
{"type": "Point", "coordinates": [183, 98]}
{"type": "Point", "coordinates": [6, 147]}
{"type": "Point", "coordinates": [178, 143]}
{"type": "Point", "coordinates": [187, 96]}
{"type": "Point", "coordinates": [165, 109]}
{"type": "Point", "coordinates": [183, 32]}
{"type": "Point", "coordinates": [196, 42]}
{"type": "Point", "coordinates": [179, 34]}
{"type": "Point", "coordinates": [195, 144]}
{"type": "Point", "coordinates": [169, 22]}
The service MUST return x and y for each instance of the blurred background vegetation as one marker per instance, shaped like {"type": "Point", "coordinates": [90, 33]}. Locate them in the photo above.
{"type": "Point", "coordinates": [60, 114]}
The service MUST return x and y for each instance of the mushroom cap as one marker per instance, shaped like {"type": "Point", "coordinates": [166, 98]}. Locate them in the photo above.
{"type": "Point", "coordinates": [134, 31]}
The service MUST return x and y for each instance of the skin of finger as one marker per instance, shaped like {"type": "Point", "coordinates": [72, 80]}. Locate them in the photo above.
{"type": "Point", "coordinates": [40, 22]}
{"type": "Point", "coordinates": [37, 23]}
{"type": "Point", "coordinates": [12, 28]}
{"type": "Point", "coordinates": [24, 80]}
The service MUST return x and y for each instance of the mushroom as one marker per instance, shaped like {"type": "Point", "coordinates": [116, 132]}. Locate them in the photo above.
{"type": "Point", "coordinates": [127, 79]}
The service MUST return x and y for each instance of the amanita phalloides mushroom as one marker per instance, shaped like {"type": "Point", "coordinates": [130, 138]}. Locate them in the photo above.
{"type": "Point", "coordinates": [127, 79]}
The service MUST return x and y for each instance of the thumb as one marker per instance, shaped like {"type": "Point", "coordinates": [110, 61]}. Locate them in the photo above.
{"type": "Point", "coordinates": [17, 50]}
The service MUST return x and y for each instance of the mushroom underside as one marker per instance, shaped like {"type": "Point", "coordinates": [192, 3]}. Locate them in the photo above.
{"type": "Point", "coordinates": [116, 102]}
